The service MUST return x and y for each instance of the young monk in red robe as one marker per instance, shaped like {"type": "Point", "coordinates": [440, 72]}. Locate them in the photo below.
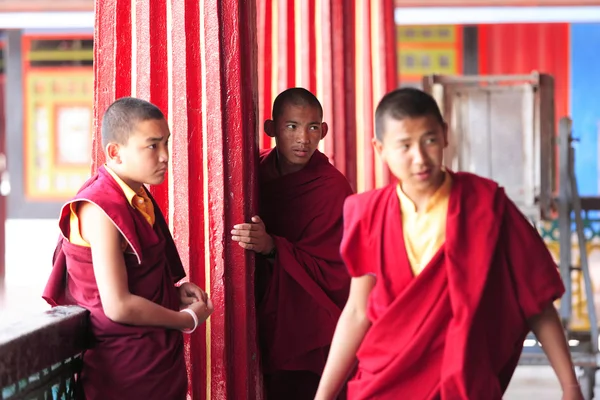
{"type": "Point", "coordinates": [117, 259]}
{"type": "Point", "coordinates": [448, 276]}
{"type": "Point", "coordinates": [302, 284]}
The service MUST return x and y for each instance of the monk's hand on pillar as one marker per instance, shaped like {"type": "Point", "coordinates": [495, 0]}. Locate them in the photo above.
{"type": "Point", "coordinates": [253, 236]}
{"type": "Point", "coordinates": [190, 293]}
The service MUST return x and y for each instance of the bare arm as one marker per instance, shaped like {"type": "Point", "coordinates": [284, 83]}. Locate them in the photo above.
{"type": "Point", "coordinates": [549, 331]}
{"type": "Point", "coordinates": [349, 334]}
{"type": "Point", "coordinates": [111, 277]}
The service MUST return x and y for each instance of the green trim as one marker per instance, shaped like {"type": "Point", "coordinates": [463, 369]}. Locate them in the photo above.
{"type": "Point", "coordinates": [550, 232]}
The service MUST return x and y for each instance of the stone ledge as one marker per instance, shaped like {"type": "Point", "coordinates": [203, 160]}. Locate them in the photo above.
{"type": "Point", "coordinates": [31, 345]}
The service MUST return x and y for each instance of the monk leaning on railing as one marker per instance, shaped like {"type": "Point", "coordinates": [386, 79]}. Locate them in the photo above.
{"type": "Point", "coordinates": [116, 258]}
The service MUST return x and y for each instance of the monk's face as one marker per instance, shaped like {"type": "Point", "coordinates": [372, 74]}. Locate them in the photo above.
{"type": "Point", "coordinates": [297, 131]}
{"type": "Point", "coordinates": [145, 156]}
{"type": "Point", "coordinates": [413, 149]}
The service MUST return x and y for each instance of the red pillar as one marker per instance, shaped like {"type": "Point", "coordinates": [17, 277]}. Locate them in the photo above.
{"type": "Point", "coordinates": [345, 53]}
{"type": "Point", "coordinates": [197, 61]}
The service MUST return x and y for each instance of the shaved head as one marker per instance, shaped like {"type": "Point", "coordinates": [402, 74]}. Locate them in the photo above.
{"type": "Point", "coordinates": [296, 97]}
{"type": "Point", "coordinates": [121, 117]}
{"type": "Point", "coordinates": [405, 103]}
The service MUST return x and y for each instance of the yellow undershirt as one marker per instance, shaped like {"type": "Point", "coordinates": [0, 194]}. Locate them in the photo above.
{"type": "Point", "coordinates": [424, 231]}
{"type": "Point", "coordinates": [139, 201]}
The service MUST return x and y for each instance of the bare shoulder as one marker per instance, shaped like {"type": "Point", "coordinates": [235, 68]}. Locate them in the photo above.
{"type": "Point", "coordinates": [96, 227]}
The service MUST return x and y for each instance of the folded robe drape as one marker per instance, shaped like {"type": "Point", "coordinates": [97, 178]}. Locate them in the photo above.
{"type": "Point", "coordinates": [301, 294]}
{"type": "Point", "coordinates": [456, 330]}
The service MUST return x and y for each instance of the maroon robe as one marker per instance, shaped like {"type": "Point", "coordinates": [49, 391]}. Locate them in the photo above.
{"type": "Point", "coordinates": [124, 361]}
{"type": "Point", "coordinates": [456, 330]}
{"type": "Point", "coordinates": [301, 294]}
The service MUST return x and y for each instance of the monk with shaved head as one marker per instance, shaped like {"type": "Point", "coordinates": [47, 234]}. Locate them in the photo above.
{"type": "Point", "coordinates": [448, 276]}
{"type": "Point", "coordinates": [117, 259]}
{"type": "Point", "coordinates": [302, 283]}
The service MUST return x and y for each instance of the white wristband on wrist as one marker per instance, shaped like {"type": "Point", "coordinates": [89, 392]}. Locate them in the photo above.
{"type": "Point", "coordinates": [193, 314]}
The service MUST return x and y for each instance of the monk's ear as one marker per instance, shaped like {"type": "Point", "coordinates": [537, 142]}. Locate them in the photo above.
{"type": "Point", "coordinates": [378, 147]}
{"type": "Point", "coordinates": [112, 152]}
{"type": "Point", "coordinates": [270, 128]}
{"type": "Point", "coordinates": [324, 130]}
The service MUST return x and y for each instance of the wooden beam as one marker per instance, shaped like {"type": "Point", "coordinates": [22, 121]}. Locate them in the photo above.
{"type": "Point", "coordinates": [493, 3]}
{"type": "Point", "coordinates": [32, 344]}
{"type": "Point", "coordinates": [46, 5]}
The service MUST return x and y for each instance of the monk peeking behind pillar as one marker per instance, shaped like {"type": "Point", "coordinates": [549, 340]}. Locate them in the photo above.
{"type": "Point", "coordinates": [448, 277]}
{"type": "Point", "coordinates": [117, 259]}
{"type": "Point", "coordinates": [302, 283]}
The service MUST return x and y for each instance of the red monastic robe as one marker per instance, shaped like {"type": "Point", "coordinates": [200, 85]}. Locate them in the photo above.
{"type": "Point", "coordinates": [124, 361]}
{"type": "Point", "coordinates": [456, 330]}
{"type": "Point", "coordinates": [302, 293]}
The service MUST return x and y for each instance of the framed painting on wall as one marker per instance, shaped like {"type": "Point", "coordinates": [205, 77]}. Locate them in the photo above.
{"type": "Point", "coordinates": [428, 49]}
{"type": "Point", "coordinates": [58, 131]}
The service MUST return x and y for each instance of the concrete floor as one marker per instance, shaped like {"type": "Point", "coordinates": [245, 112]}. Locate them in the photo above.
{"type": "Point", "coordinates": [30, 244]}
{"type": "Point", "coordinates": [529, 383]}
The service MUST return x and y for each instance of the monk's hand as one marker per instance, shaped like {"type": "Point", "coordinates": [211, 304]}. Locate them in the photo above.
{"type": "Point", "coordinates": [190, 293]}
{"type": "Point", "coordinates": [202, 308]}
{"type": "Point", "coordinates": [253, 236]}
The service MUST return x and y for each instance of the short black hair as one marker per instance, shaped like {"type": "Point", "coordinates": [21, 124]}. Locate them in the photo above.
{"type": "Point", "coordinates": [121, 117]}
{"type": "Point", "coordinates": [405, 103]}
{"type": "Point", "coordinates": [298, 97]}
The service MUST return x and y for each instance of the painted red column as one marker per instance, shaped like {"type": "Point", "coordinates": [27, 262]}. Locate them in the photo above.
{"type": "Point", "coordinates": [197, 61]}
{"type": "Point", "coordinates": [345, 53]}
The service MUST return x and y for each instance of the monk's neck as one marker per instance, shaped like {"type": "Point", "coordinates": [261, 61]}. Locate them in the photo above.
{"type": "Point", "coordinates": [420, 197]}
{"type": "Point", "coordinates": [285, 168]}
{"type": "Point", "coordinates": [135, 186]}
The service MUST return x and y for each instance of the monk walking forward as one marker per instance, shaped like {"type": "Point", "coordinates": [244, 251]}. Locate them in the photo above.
{"type": "Point", "coordinates": [448, 276]}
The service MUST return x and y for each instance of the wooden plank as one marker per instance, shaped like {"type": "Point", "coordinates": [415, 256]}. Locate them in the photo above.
{"type": "Point", "coordinates": [493, 3]}
{"type": "Point", "coordinates": [30, 345]}
{"type": "Point", "coordinates": [46, 5]}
